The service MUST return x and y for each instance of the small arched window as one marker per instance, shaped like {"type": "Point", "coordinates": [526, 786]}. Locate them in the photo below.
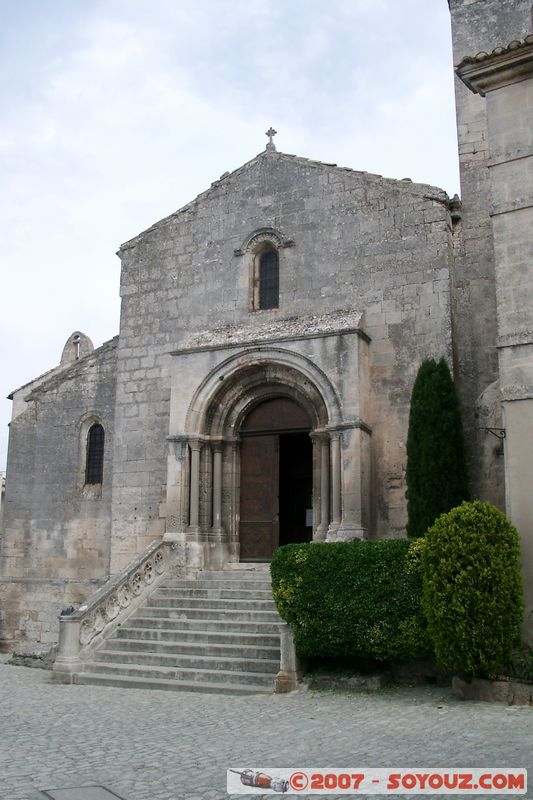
{"type": "Point", "coordinates": [268, 279]}
{"type": "Point", "coordinates": [94, 465]}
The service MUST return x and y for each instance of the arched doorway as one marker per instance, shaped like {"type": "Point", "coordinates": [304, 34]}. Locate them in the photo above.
{"type": "Point", "coordinates": [276, 485]}
{"type": "Point", "coordinates": [284, 397]}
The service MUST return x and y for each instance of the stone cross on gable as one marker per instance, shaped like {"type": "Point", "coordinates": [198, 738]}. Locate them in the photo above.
{"type": "Point", "coordinates": [76, 342]}
{"type": "Point", "coordinates": [270, 133]}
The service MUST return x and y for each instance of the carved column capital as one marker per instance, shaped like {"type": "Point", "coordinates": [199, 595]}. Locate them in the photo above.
{"type": "Point", "coordinates": [320, 437]}
{"type": "Point", "coordinates": [195, 443]}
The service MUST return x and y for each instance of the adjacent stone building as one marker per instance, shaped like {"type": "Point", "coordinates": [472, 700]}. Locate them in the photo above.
{"type": "Point", "coordinates": [493, 272]}
{"type": "Point", "coordinates": [271, 330]}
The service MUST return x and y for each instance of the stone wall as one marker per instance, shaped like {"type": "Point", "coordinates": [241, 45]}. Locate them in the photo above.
{"type": "Point", "coordinates": [349, 240]}
{"type": "Point", "coordinates": [478, 25]}
{"type": "Point", "coordinates": [501, 80]}
{"type": "Point", "coordinates": [55, 542]}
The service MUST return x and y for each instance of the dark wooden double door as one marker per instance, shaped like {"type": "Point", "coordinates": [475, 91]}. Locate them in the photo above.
{"type": "Point", "coordinates": [276, 479]}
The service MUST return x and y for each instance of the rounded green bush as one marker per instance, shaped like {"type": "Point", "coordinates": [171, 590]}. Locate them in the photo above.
{"type": "Point", "coordinates": [473, 588]}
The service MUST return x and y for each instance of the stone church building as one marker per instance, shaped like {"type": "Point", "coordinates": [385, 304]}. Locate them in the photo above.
{"type": "Point", "coordinates": [271, 330]}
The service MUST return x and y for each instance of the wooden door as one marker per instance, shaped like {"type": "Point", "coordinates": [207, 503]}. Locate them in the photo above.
{"type": "Point", "coordinates": [259, 520]}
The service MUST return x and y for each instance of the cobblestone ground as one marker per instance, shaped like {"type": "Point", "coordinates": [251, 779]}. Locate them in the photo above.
{"type": "Point", "coordinates": [153, 745]}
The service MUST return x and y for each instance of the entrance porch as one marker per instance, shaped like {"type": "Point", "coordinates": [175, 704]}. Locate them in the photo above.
{"type": "Point", "coordinates": [268, 454]}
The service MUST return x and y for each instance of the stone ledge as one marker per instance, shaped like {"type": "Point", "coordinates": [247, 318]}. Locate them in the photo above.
{"type": "Point", "coordinates": [370, 683]}
{"type": "Point", "coordinates": [35, 661]}
{"type": "Point", "coordinates": [510, 692]}
{"type": "Point", "coordinates": [505, 65]}
{"type": "Point", "coordinates": [277, 330]}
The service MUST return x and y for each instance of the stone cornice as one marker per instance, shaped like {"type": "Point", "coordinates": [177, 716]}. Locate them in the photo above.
{"type": "Point", "coordinates": [275, 331]}
{"type": "Point", "coordinates": [485, 72]}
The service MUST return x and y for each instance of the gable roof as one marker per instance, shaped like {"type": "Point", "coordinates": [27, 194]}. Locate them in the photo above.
{"type": "Point", "coordinates": [57, 374]}
{"type": "Point", "coordinates": [268, 153]}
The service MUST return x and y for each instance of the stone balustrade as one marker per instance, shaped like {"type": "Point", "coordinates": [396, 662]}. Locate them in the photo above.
{"type": "Point", "coordinates": [83, 629]}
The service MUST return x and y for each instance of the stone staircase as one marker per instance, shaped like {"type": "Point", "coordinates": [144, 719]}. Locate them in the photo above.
{"type": "Point", "coordinates": [216, 633]}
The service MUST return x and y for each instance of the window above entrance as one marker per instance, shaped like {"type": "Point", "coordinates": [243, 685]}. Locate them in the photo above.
{"type": "Point", "coordinates": [262, 250]}
{"type": "Point", "coordinates": [268, 279]}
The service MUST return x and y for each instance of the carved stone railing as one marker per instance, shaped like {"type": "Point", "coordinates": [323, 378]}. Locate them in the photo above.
{"type": "Point", "coordinates": [82, 630]}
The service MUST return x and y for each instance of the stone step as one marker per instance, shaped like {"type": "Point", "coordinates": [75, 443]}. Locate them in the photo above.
{"type": "Point", "coordinates": [181, 674]}
{"type": "Point", "coordinates": [186, 661]}
{"type": "Point", "coordinates": [237, 625]}
{"type": "Point", "coordinates": [209, 612]}
{"type": "Point", "coordinates": [129, 682]}
{"type": "Point", "coordinates": [184, 647]}
{"type": "Point", "coordinates": [219, 636]}
{"type": "Point", "coordinates": [235, 575]}
{"type": "Point", "coordinates": [237, 585]}
{"type": "Point", "coordinates": [218, 632]}
{"type": "Point", "coordinates": [221, 592]}
{"type": "Point", "coordinates": [216, 603]}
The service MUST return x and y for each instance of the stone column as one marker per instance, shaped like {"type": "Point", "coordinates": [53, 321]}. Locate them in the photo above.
{"type": "Point", "coordinates": [289, 668]}
{"type": "Point", "coordinates": [335, 483]}
{"type": "Point", "coordinates": [324, 484]}
{"type": "Point", "coordinates": [177, 500]}
{"type": "Point", "coordinates": [68, 657]}
{"type": "Point", "coordinates": [234, 498]}
{"type": "Point", "coordinates": [217, 487]}
{"type": "Point", "coordinates": [322, 444]}
{"type": "Point", "coordinates": [355, 482]}
{"type": "Point", "coordinates": [194, 510]}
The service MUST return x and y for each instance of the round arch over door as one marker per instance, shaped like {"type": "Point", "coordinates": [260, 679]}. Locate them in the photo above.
{"type": "Point", "coordinates": [226, 409]}
{"type": "Point", "coordinates": [276, 414]}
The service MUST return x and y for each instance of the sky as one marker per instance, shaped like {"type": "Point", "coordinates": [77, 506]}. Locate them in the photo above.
{"type": "Point", "coordinates": [115, 113]}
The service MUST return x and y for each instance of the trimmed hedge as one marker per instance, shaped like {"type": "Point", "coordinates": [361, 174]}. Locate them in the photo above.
{"type": "Point", "coordinates": [473, 588]}
{"type": "Point", "coordinates": [436, 468]}
{"type": "Point", "coordinates": [353, 600]}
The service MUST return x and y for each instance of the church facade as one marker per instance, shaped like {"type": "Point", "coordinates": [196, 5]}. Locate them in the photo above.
{"type": "Point", "coordinates": [270, 334]}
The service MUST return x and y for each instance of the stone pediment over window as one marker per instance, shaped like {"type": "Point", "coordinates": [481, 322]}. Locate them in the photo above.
{"type": "Point", "coordinates": [263, 236]}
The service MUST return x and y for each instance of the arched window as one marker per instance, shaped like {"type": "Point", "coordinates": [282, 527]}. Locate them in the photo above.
{"type": "Point", "coordinates": [94, 464]}
{"type": "Point", "coordinates": [268, 279]}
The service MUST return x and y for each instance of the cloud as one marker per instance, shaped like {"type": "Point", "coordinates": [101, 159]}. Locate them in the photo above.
{"type": "Point", "coordinates": [118, 112]}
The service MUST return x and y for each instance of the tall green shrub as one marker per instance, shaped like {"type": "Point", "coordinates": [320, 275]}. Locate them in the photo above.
{"type": "Point", "coordinates": [473, 588]}
{"type": "Point", "coordinates": [436, 470]}
{"type": "Point", "coordinates": [353, 600]}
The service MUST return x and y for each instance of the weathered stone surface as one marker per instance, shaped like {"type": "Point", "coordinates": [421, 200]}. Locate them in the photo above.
{"type": "Point", "coordinates": [510, 692]}
{"type": "Point", "coordinates": [56, 539]}
{"type": "Point", "coordinates": [44, 661]}
{"type": "Point", "coordinates": [364, 297]}
{"type": "Point", "coordinates": [348, 682]}
{"type": "Point", "coordinates": [374, 276]}
{"type": "Point", "coordinates": [359, 243]}
{"type": "Point", "coordinates": [478, 26]}
{"type": "Point", "coordinates": [494, 49]}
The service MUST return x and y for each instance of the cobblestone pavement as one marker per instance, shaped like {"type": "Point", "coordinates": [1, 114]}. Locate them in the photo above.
{"type": "Point", "coordinates": [154, 745]}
